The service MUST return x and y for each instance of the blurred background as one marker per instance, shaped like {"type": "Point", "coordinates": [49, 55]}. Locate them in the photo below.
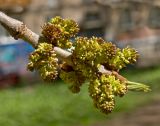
{"type": "Point", "coordinates": [26, 100]}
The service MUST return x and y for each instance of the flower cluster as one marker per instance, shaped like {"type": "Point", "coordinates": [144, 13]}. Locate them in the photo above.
{"type": "Point", "coordinates": [59, 31]}
{"type": "Point", "coordinates": [122, 58]}
{"type": "Point", "coordinates": [93, 50]}
{"type": "Point", "coordinates": [74, 79]}
{"type": "Point", "coordinates": [89, 55]}
{"type": "Point", "coordinates": [103, 89]}
{"type": "Point", "coordinates": [44, 60]}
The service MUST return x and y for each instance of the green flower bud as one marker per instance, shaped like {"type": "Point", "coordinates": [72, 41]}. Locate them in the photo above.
{"type": "Point", "coordinates": [68, 27]}
{"type": "Point", "coordinates": [74, 79]}
{"type": "Point", "coordinates": [103, 89]}
{"type": "Point", "coordinates": [119, 87]}
{"type": "Point", "coordinates": [109, 51]}
{"type": "Point", "coordinates": [88, 50]}
{"type": "Point", "coordinates": [122, 58]}
{"type": "Point", "coordinates": [106, 106]}
{"type": "Point", "coordinates": [44, 60]}
{"type": "Point", "coordinates": [130, 55]}
{"type": "Point", "coordinates": [59, 31]}
{"type": "Point", "coordinates": [102, 95]}
{"type": "Point", "coordinates": [52, 33]}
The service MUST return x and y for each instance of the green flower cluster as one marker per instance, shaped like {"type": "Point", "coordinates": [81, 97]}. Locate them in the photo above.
{"type": "Point", "coordinates": [122, 58]}
{"type": "Point", "coordinates": [74, 79]}
{"type": "Point", "coordinates": [93, 50]}
{"type": "Point", "coordinates": [103, 89]}
{"type": "Point", "coordinates": [89, 55]}
{"type": "Point", "coordinates": [44, 60]}
{"type": "Point", "coordinates": [59, 31]}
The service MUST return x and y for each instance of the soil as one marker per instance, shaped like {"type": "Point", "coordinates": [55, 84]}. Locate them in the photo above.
{"type": "Point", "coordinates": [147, 115]}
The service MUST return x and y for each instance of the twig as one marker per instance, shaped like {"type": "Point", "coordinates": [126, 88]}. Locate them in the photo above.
{"type": "Point", "coordinates": [18, 30]}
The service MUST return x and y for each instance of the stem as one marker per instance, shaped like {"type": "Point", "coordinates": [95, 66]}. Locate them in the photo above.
{"type": "Point", "coordinates": [134, 86]}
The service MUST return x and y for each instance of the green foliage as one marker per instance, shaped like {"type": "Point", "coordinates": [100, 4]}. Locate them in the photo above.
{"type": "Point", "coordinates": [88, 56]}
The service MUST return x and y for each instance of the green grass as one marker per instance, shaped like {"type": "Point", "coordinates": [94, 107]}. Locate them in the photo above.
{"type": "Point", "coordinates": [54, 105]}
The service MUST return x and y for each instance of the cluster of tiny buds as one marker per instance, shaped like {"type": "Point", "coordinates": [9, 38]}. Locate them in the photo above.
{"type": "Point", "coordinates": [44, 60]}
{"type": "Point", "coordinates": [122, 58]}
{"type": "Point", "coordinates": [103, 89]}
{"type": "Point", "coordinates": [74, 79]}
{"type": "Point", "coordinates": [59, 31]}
{"type": "Point", "coordinates": [88, 54]}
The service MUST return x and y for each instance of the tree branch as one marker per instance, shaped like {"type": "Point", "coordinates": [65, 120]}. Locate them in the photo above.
{"type": "Point", "coordinates": [19, 30]}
